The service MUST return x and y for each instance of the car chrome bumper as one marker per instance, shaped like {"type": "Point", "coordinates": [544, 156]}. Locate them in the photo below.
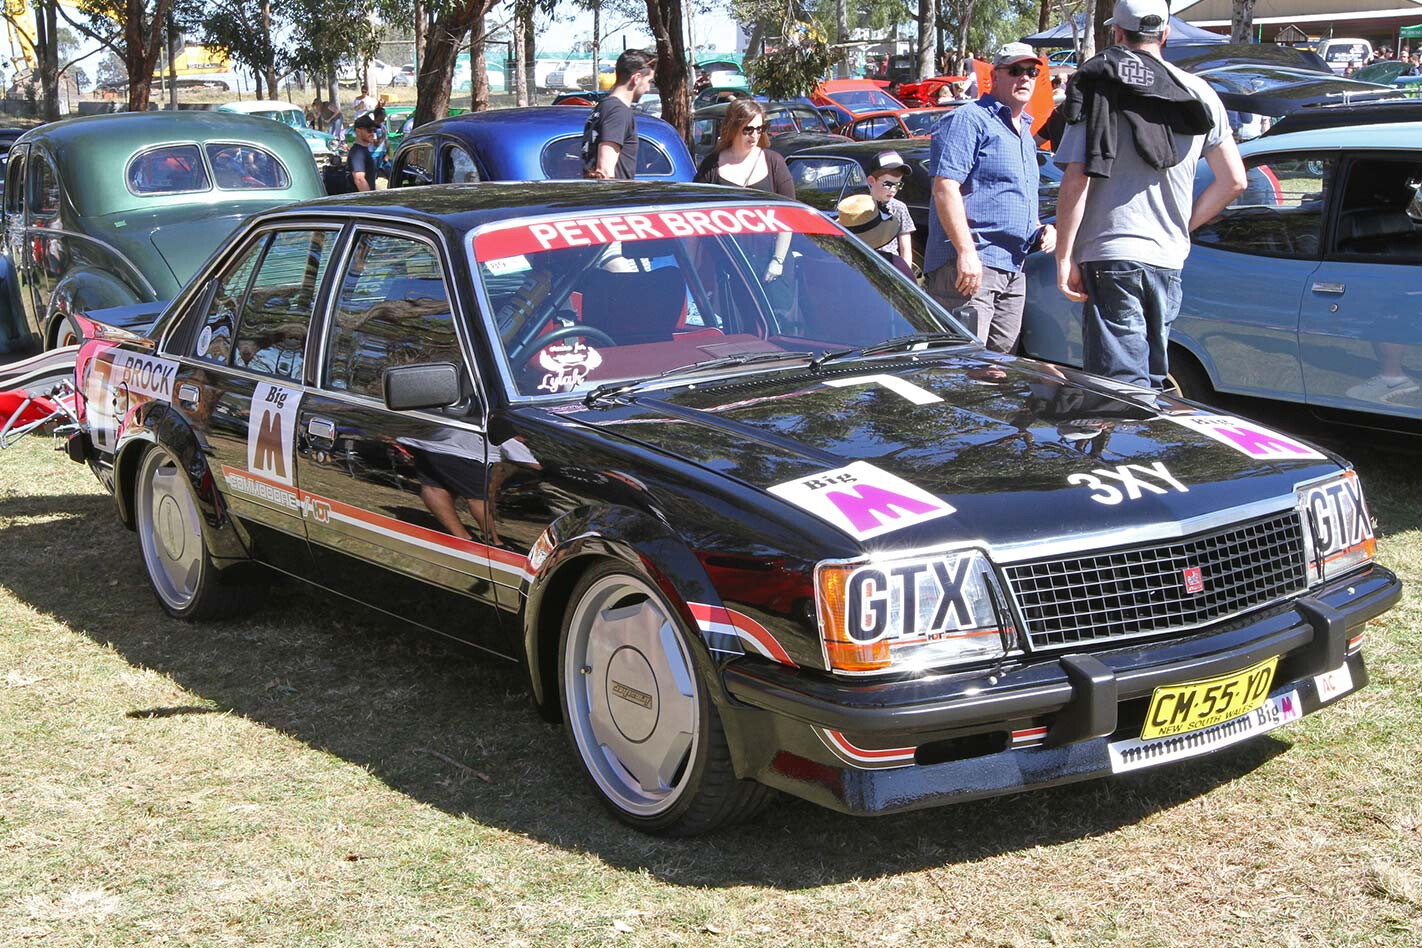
{"type": "Point", "coordinates": [882, 747]}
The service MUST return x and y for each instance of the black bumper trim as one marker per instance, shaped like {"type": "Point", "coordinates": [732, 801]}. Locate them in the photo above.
{"type": "Point", "coordinates": [1083, 691]}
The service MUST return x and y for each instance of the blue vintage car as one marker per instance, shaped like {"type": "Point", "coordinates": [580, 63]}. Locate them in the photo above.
{"type": "Point", "coordinates": [1306, 289]}
{"type": "Point", "coordinates": [532, 144]}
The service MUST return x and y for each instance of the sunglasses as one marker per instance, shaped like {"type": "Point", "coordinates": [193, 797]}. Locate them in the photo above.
{"type": "Point", "coordinates": [891, 185]}
{"type": "Point", "coordinates": [752, 129]}
{"type": "Point", "coordinates": [1016, 71]}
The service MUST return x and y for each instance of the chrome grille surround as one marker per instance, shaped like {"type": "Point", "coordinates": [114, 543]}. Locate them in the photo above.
{"type": "Point", "coordinates": [1140, 590]}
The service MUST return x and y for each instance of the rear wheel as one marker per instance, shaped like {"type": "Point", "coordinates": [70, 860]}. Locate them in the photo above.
{"type": "Point", "coordinates": [175, 552]}
{"type": "Point", "coordinates": [1187, 379]}
{"type": "Point", "coordinates": [638, 714]}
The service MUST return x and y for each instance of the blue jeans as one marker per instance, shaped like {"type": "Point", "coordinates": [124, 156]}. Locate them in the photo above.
{"type": "Point", "coordinates": [1126, 320]}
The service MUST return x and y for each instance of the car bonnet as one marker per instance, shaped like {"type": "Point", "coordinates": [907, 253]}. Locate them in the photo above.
{"type": "Point", "coordinates": [1015, 450]}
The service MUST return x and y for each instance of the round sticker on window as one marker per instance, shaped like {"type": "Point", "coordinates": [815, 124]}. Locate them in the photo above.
{"type": "Point", "coordinates": [204, 340]}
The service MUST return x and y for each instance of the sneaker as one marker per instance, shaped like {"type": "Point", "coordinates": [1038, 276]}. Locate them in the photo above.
{"type": "Point", "coordinates": [1382, 388]}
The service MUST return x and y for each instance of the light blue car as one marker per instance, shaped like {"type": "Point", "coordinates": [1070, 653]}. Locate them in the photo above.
{"type": "Point", "coordinates": [1307, 289]}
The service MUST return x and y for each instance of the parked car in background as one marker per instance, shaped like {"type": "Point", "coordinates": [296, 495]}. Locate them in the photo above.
{"type": "Point", "coordinates": [893, 124]}
{"type": "Point", "coordinates": [113, 210]}
{"type": "Point", "coordinates": [722, 73]}
{"type": "Point", "coordinates": [853, 97]}
{"type": "Point", "coordinates": [529, 144]}
{"type": "Point", "coordinates": [718, 95]}
{"type": "Point", "coordinates": [826, 174]}
{"type": "Point", "coordinates": [793, 124]}
{"type": "Point", "coordinates": [831, 548]}
{"type": "Point", "coordinates": [1304, 290]}
{"type": "Point", "coordinates": [323, 147]}
{"type": "Point", "coordinates": [1340, 52]}
{"type": "Point", "coordinates": [579, 98]}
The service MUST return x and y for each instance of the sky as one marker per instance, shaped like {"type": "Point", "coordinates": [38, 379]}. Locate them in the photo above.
{"type": "Point", "coordinates": [716, 28]}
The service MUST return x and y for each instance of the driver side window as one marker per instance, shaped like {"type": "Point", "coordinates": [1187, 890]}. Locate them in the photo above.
{"type": "Point", "coordinates": [271, 336]}
{"type": "Point", "coordinates": [1280, 212]}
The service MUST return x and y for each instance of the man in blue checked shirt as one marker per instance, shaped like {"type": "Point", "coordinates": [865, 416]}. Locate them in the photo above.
{"type": "Point", "coordinates": [984, 220]}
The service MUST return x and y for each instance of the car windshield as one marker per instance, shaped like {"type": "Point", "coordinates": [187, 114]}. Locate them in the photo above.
{"type": "Point", "coordinates": [921, 123]}
{"type": "Point", "coordinates": [585, 301]}
{"type": "Point", "coordinates": [1256, 78]}
{"type": "Point", "coordinates": [292, 117]}
{"type": "Point", "coordinates": [865, 100]}
{"type": "Point", "coordinates": [810, 120]}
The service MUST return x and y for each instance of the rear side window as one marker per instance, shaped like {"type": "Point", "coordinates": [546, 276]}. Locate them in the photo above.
{"type": "Point", "coordinates": [459, 167]}
{"type": "Point", "coordinates": [393, 310]}
{"type": "Point", "coordinates": [416, 166]}
{"type": "Point", "coordinates": [562, 159]}
{"type": "Point", "coordinates": [214, 340]}
{"type": "Point", "coordinates": [170, 169]}
{"type": "Point", "coordinates": [247, 168]}
{"type": "Point", "coordinates": [271, 337]}
{"type": "Point", "coordinates": [15, 182]}
{"type": "Point", "coordinates": [44, 189]}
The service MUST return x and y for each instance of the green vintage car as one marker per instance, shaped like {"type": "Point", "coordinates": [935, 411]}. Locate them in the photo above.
{"type": "Point", "coordinates": [117, 210]}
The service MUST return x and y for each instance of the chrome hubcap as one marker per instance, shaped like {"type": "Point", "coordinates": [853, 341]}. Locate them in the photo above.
{"type": "Point", "coordinates": [169, 530]}
{"type": "Point", "coordinates": [631, 696]}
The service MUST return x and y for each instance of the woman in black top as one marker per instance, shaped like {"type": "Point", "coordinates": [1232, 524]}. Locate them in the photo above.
{"type": "Point", "coordinates": [743, 159]}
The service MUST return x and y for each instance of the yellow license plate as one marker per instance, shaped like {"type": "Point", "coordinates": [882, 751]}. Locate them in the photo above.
{"type": "Point", "coordinates": [1178, 709]}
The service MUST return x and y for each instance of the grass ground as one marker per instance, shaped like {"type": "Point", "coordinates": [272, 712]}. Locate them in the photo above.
{"type": "Point", "coordinates": [309, 777]}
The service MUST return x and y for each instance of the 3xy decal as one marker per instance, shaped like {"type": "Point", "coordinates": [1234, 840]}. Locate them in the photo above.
{"type": "Point", "coordinates": [1110, 486]}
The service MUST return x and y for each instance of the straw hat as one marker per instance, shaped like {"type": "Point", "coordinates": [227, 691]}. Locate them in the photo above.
{"type": "Point", "coordinates": [860, 215]}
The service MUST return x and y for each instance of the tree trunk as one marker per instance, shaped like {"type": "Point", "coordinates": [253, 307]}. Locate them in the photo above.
{"type": "Point", "coordinates": [963, 31]}
{"type": "Point", "coordinates": [333, 90]}
{"type": "Point", "coordinates": [664, 20]}
{"type": "Point", "coordinates": [1101, 33]}
{"type": "Point", "coordinates": [520, 83]}
{"type": "Point", "coordinates": [841, 38]}
{"type": "Point", "coordinates": [1044, 13]}
{"type": "Point", "coordinates": [173, 64]}
{"type": "Point", "coordinates": [1241, 28]}
{"type": "Point", "coordinates": [597, 32]}
{"type": "Point", "coordinates": [142, 39]}
{"type": "Point", "coordinates": [1088, 32]}
{"type": "Point", "coordinates": [47, 57]}
{"type": "Point", "coordinates": [927, 47]}
{"type": "Point", "coordinates": [478, 63]}
{"type": "Point", "coordinates": [436, 71]}
{"type": "Point", "coordinates": [530, 53]}
{"type": "Point", "coordinates": [268, 53]}
{"type": "Point", "coordinates": [753, 43]}
{"type": "Point", "coordinates": [420, 34]}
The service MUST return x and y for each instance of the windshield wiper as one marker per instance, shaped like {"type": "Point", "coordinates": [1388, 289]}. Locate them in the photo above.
{"type": "Point", "coordinates": [829, 355]}
{"type": "Point", "coordinates": [609, 389]}
{"type": "Point", "coordinates": [914, 339]}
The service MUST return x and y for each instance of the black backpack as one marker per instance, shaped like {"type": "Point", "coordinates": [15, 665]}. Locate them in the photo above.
{"type": "Point", "coordinates": [591, 138]}
{"type": "Point", "coordinates": [336, 176]}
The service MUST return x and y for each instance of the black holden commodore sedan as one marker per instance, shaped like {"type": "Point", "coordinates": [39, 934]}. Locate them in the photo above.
{"type": "Point", "coordinates": [747, 531]}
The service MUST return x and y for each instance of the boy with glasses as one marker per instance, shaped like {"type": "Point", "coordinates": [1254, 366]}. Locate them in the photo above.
{"type": "Point", "coordinates": [983, 219]}
{"type": "Point", "coordinates": [887, 175]}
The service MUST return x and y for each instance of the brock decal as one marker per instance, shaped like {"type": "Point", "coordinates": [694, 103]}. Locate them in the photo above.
{"type": "Point", "coordinates": [1248, 438]}
{"type": "Point", "coordinates": [118, 385]}
{"type": "Point", "coordinates": [271, 431]}
{"type": "Point", "coordinates": [862, 500]}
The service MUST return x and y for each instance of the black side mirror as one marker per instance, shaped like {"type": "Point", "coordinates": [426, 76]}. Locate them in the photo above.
{"type": "Point", "coordinates": [431, 385]}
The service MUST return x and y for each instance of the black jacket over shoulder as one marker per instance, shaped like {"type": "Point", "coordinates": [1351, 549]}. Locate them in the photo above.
{"type": "Point", "coordinates": [1123, 82]}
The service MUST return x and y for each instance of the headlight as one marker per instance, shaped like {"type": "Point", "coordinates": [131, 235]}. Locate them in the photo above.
{"type": "Point", "coordinates": [915, 612]}
{"type": "Point", "coordinates": [1338, 532]}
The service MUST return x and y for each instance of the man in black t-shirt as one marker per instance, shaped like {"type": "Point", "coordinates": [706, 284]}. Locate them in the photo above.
{"type": "Point", "coordinates": [610, 136]}
{"type": "Point", "coordinates": [361, 164]}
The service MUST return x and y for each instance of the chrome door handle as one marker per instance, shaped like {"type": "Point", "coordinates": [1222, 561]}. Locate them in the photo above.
{"type": "Point", "coordinates": [323, 428]}
{"type": "Point", "coordinates": [188, 395]}
{"type": "Point", "coordinates": [1336, 288]}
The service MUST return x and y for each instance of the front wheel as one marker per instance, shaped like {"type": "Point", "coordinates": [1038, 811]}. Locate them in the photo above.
{"type": "Point", "coordinates": [175, 552]}
{"type": "Point", "coordinates": [638, 714]}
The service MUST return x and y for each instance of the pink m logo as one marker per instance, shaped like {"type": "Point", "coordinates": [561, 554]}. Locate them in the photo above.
{"type": "Point", "coordinates": [1255, 442]}
{"type": "Point", "coordinates": [869, 506]}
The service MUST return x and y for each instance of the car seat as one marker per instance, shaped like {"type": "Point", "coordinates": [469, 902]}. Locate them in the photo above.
{"type": "Point", "coordinates": [635, 306]}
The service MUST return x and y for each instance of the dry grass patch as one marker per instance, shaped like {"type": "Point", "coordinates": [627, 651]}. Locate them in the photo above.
{"type": "Point", "coordinates": [312, 777]}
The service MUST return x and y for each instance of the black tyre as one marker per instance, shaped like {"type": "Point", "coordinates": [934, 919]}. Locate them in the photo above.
{"type": "Point", "coordinates": [174, 547]}
{"type": "Point", "coordinates": [639, 716]}
{"type": "Point", "coordinates": [1187, 379]}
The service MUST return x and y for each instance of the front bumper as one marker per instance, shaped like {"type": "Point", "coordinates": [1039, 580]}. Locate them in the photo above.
{"type": "Point", "coordinates": [890, 746]}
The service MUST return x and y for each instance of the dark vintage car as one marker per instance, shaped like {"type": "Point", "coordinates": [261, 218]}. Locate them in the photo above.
{"type": "Point", "coordinates": [824, 175]}
{"type": "Point", "coordinates": [808, 537]}
{"type": "Point", "coordinates": [111, 210]}
{"type": "Point", "coordinates": [793, 125]}
{"type": "Point", "coordinates": [528, 144]}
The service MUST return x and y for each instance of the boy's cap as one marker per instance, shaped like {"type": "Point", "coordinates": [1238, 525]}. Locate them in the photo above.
{"type": "Point", "coordinates": [887, 161]}
{"type": "Point", "coordinates": [1013, 53]}
{"type": "Point", "coordinates": [1140, 16]}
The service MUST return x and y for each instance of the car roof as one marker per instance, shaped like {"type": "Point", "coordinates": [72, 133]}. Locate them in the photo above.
{"type": "Point", "coordinates": [908, 149]}
{"type": "Point", "coordinates": [717, 109]}
{"type": "Point", "coordinates": [459, 208]}
{"type": "Point", "coordinates": [260, 105]}
{"type": "Point", "coordinates": [1398, 135]}
{"type": "Point", "coordinates": [904, 111]}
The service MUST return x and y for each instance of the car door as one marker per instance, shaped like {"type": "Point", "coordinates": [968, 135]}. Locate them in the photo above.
{"type": "Point", "coordinates": [17, 329]}
{"type": "Point", "coordinates": [414, 165]}
{"type": "Point", "coordinates": [457, 165]}
{"type": "Point", "coordinates": [400, 520]}
{"type": "Point", "coordinates": [1247, 272]}
{"type": "Point", "coordinates": [245, 380]}
{"type": "Point", "coordinates": [1359, 332]}
{"type": "Point", "coordinates": [45, 245]}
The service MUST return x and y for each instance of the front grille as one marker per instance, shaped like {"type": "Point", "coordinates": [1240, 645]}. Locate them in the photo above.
{"type": "Point", "coordinates": [1142, 590]}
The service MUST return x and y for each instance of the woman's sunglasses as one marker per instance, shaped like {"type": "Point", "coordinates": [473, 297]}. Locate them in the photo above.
{"type": "Point", "coordinates": [752, 129]}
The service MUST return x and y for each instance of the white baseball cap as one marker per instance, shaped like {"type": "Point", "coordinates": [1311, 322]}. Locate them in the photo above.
{"type": "Point", "coordinates": [1140, 16]}
{"type": "Point", "coordinates": [1013, 53]}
